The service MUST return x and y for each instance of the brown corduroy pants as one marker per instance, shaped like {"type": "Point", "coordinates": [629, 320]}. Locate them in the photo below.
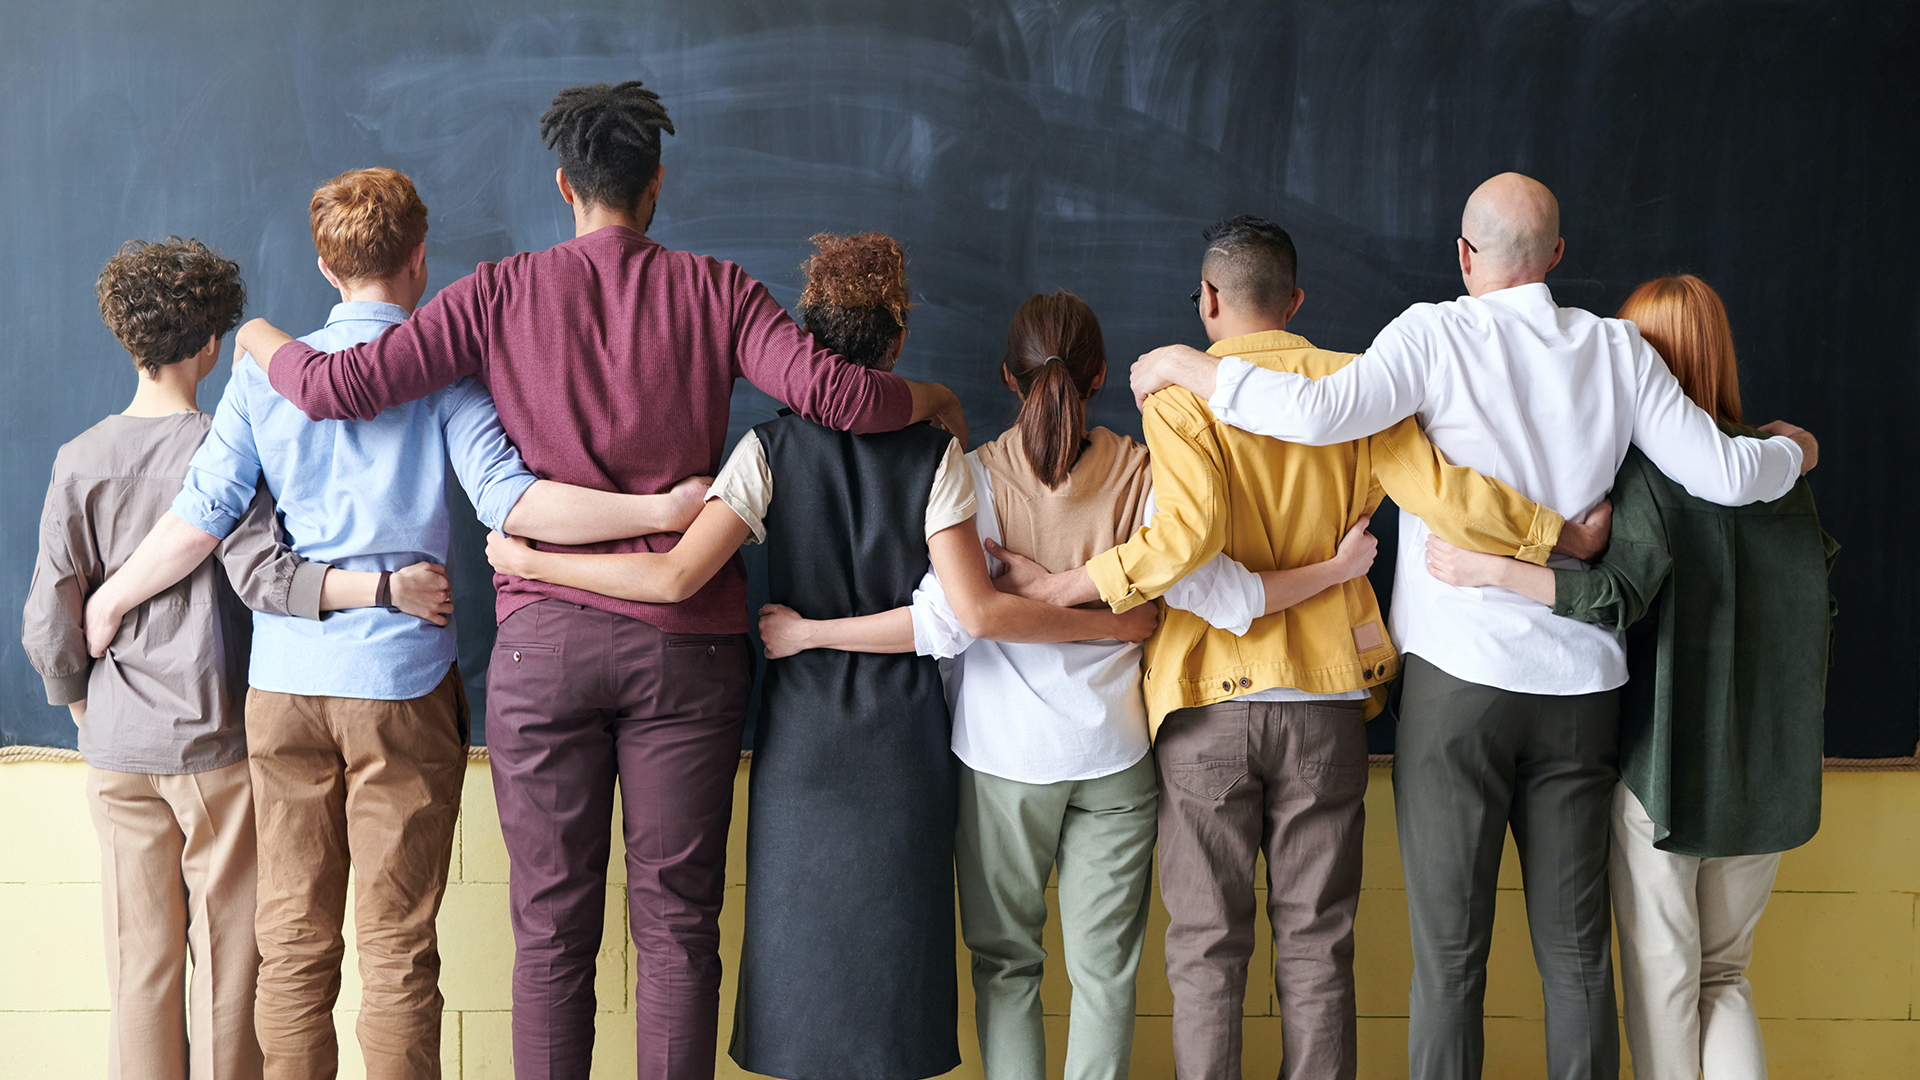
{"type": "Point", "coordinates": [375, 785]}
{"type": "Point", "coordinates": [176, 879]}
{"type": "Point", "coordinates": [1237, 779]}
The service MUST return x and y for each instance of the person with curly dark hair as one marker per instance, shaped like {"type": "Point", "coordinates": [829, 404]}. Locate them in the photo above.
{"type": "Point", "coordinates": [613, 361]}
{"type": "Point", "coordinates": [847, 964]}
{"type": "Point", "coordinates": [160, 713]}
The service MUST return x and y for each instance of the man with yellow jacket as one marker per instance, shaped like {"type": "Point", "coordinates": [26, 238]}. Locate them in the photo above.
{"type": "Point", "coordinates": [1259, 735]}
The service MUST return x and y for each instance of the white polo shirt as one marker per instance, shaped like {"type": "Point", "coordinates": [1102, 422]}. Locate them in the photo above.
{"type": "Point", "coordinates": [1543, 397]}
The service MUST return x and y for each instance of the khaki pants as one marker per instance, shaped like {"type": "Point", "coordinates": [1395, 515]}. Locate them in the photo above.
{"type": "Point", "coordinates": [176, 880]}
{"type": "Point", "coordinates": [374, 784]}
{"type": "Point", "coordinates": [1237, 779]}
{"type": "Point", "coordinates": [1686, 937]}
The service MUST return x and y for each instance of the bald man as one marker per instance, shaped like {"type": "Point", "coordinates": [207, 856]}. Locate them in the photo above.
{"type": "Point", "coordinates": [1507, 714]}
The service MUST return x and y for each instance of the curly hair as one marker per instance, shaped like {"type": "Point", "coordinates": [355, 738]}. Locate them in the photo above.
{"type": "Point", "coordinates": [366, 223]}
{"type": "Point", "coordinates": [164, 300]}
{"type": "Point", "coordinates": [856, 297]}
{"type": "Point", "coordinates": [608, 137]}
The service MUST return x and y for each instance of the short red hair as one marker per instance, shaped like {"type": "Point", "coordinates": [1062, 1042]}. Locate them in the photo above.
{"type": "Point", "coordinates": [1684, 320]}
{"type": "Point", "coordinates": [366, 223]}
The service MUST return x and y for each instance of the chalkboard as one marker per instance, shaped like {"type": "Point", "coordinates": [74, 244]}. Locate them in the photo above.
{"type": "Point", "coordinates": [1015, 146]}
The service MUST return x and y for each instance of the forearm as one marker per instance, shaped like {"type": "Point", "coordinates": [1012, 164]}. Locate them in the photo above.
{"type": "Point", "coordinates": [78, 710]}
{"type": "Point", "coordinates": [342, 589]}
{"type": "Point", "coordinates": [1068, 588]}
{"type": "Point", "coordinates": [1006, 617]}
{"type": "Point", "coordinates": [170, 552]}
{"type": "Point", "coordinates": [1533, 582]}
{"type": "Point", "coordinates": [886, 632]}
{"type": "Point", "coordinates": [565, 514]}
{"type": "Point", "coordinates": [645, 577]}
{"type": "Point", "coordinates": [1285, 588]}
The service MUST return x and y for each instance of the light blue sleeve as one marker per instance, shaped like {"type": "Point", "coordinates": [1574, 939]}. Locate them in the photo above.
{"type": "Point", "coordinates": [225, 471]}
{"type": "Point", "coordinates": [483, 458]}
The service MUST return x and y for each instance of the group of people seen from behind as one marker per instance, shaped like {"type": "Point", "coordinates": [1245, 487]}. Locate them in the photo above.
{"type": "Point", "coordinates": [1019, 671]}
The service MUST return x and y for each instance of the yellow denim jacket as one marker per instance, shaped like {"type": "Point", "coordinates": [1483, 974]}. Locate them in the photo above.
{"type": "Point", "coordinates": [1274, 506]}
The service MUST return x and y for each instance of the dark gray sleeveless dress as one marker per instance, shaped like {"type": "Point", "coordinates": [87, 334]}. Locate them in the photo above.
{"type": "Point", "coordinates": [847, 969]}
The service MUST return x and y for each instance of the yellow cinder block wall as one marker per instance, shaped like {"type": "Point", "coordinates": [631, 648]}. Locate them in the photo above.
{"type": "Point", "coordinates": [1836, 967]}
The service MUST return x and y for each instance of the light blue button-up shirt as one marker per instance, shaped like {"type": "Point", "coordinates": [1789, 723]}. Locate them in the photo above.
{"type": "Point", "coordinates": [361, 495]}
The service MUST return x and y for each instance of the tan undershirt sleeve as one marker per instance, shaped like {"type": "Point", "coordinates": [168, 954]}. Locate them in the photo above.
{"type": "Point", "coordinates": [951, 501]}
{"type": "Point", "coordinates": [745, 484]}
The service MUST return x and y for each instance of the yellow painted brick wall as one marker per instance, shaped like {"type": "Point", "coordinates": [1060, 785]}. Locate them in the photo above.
{"type": "Point", "coordinates": [1835, 969]}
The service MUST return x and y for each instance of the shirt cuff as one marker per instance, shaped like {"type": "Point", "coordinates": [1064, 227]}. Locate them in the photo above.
{"type": "Point", "coordinates": [1111, 579]}
{"type": "Point", "coordinates": [1795, 458]}
{"type": "Point", "coordinates": [66, 689]}
{"type": "Point", "coordinates": [501, 499]}
{"type": "Point", "coordinates": [1226, 383]}
{"type": "Point", "coordinates": [1541, 537]}
{"type": "Point", "coordinates": [303, 595]}
{"type": "Point", "coordinates": [202, 513]}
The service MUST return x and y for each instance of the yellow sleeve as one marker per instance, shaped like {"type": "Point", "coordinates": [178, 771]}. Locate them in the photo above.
{"type": "Point", "coordinates": [1189, 486]}
{"type": "Point", "coordinates": [1461, 506]}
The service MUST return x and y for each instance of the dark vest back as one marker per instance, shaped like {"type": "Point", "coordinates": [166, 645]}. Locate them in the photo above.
{"type": "Point", "coordinates": [847, 964]}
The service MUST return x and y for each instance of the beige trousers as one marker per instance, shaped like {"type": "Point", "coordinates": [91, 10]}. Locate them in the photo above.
{"type": "Point", "coordinates": [375, 784]}
{"type": "Point", "coordinates": [176, 881]}
{"type": "Point", "coordinates": [1686, 937]}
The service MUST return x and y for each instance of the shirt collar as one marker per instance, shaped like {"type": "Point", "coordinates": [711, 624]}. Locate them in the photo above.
{"type": "Point", "coordinates": [1532, 294]}
{"type": "Point", "coordinates": [366, 311]}
{"type": "Point", "coordinates": [1258, 341]}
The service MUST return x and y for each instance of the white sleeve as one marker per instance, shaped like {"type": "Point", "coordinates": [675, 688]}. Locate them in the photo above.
{"type": "Point", "coordinates": [745, 484]}
{"type": "Point", "coordinates": [1683, 442]}
{"type": "Point", "coordinates": [1380, 388]}
{"type": "Point", "coordinates": [936, 629]}
{"type": "Point", "coordinates": [1222, 591]}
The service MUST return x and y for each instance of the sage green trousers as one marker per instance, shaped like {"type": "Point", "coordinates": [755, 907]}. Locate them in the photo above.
{"type": "Point", "coordinates": [1099, 834]}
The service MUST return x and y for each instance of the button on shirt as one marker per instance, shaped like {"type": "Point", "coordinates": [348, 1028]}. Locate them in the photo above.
{"type": "Point", "coordinates": [1543, 397]}
{"type": "Point", "coordinates": [361, 495]}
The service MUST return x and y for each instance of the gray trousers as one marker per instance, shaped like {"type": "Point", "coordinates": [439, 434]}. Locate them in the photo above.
{"type": "Point", "coordinates": [1237, 779]}
{"type": "Point", "coordinates": [1099, 834]}
{"type": "Point", "coordinates": [1470, 761]}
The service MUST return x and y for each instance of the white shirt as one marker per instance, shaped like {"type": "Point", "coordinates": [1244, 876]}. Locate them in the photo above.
{"type": "Point", "coordinates": [1543, 397]}
{"type": "Point", "coordinates": [1042, 714]}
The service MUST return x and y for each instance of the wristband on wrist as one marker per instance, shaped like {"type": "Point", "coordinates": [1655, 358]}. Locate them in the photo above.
{"type": "Point", "coordinates": [383, 593]}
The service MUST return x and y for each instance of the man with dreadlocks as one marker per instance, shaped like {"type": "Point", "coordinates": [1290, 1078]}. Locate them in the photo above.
{"type": "Point", "coordinates": [612, 360]}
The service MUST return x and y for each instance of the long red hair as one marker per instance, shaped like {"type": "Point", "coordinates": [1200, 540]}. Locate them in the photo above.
{"type": "Point", "coordinates": [1684, 320]}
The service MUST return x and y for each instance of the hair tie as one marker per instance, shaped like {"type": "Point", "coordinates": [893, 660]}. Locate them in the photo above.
{"type": "Point", "coordinates": [1044, 363]}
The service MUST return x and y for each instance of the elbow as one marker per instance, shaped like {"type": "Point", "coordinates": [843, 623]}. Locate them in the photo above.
{"type": "Point", "coordinates": [977, 617]}
{"type": "Point", "coordinates": [678, 587]}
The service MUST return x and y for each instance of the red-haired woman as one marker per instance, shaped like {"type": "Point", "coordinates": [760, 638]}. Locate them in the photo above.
{"type": "Point", "coordinates": [847, 967]}
{"type": "Point", "coordinates": [1727, 613]}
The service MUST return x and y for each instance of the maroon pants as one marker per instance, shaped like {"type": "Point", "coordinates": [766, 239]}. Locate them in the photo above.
{"type": "Point", "coordinates": [577, 697]}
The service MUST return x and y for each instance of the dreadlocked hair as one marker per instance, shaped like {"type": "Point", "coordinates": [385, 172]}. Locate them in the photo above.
{"type": "Point", "coordinates": [856, 300]}
{"type": "Point", "coordinates": [608, 137]}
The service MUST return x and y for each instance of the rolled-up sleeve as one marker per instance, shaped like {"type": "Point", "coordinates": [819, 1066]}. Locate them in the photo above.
{"type": "Point", "coordinates": [937, 630]}
{"type": "Point", "coordinates": [485, 460]}
{"type": "Point", "coordinates": [1189, 483]}
{"type": "Point", "coordinates": [225, 472]}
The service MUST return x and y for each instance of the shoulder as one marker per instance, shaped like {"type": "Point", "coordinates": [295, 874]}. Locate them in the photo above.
{"type": "Point", "coordinates": [1178, 408]}
{"type": "Point", "coordinates": [83, 454]}
{"type": "Point", "coordinates": [1129, 457]}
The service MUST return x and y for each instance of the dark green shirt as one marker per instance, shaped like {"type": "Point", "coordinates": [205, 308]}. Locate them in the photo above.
{"type": "Point", "coordinates": [1728, 619]}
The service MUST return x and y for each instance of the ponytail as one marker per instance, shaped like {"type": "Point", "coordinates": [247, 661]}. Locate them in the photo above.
{"type": "Point", "coordinates": [1053, 421]}
{"type": "Point", "coordinates": [1054, 356]}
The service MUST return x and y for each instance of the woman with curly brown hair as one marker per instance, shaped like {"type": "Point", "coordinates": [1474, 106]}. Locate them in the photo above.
{"type": "Point", "coordinates": [847, 970]}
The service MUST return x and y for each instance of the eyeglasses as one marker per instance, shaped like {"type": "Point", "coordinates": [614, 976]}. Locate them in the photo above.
{"type": "Point", "coordinates": [1469, 244]}
{"type": "Point", "coordinates": [1194, 297]}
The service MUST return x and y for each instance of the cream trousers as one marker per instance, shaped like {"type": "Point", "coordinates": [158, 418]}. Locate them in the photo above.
{"type": "Point", "coordinates": [1686, 936]}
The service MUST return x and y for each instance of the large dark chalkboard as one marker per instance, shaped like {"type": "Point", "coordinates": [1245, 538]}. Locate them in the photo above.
{"type": "Point", "coordinates": [1016, 146]}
